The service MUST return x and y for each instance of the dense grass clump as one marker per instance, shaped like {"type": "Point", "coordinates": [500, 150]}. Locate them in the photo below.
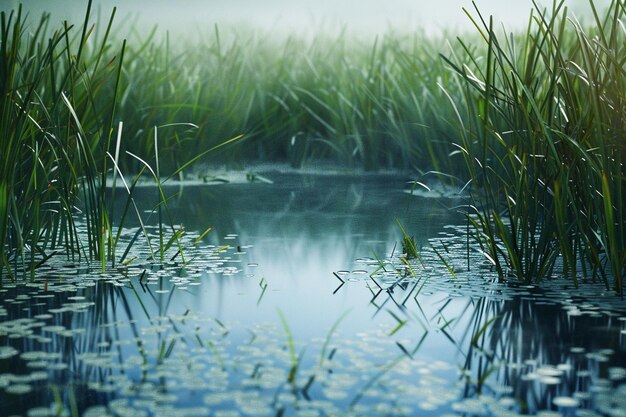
{"type": "Point", "coordinates": [60, 138]}
{"type": "Point", "coordinates": [544, 144]}
{"type": "Point", "coordinates": [56, 130]}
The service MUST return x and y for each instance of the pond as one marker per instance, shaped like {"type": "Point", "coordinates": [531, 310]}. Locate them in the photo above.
{"type": "Point", "coordinates": [300, 302]}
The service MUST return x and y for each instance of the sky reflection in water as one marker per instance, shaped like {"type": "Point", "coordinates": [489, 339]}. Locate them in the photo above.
{"type": "Point", "coordinates": [209, 338]}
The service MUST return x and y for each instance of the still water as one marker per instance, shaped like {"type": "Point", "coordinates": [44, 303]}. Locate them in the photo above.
{"type": "Point", "coordinates": [300, 302]}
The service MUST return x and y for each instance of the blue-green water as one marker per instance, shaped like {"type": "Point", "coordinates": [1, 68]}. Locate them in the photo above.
{"type": "Point", "coordinates": [257, 320]}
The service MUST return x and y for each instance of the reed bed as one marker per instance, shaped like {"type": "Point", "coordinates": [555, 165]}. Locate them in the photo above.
{"type": "Point", "coordinates": [80, 105]}
{"type": "Point", "coordinates": [61, 138]}
{"type": "Point", "coordinates": [363, 103]}
{"type": "Point", "coordinates": [543, 142]}
{"type": "Point", "coordinates": [56, 131]}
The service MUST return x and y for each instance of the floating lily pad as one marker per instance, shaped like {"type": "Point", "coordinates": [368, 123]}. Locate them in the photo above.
{"type": "Point", "coordinates": [565, 402]}
{"type": "Point", "coordinates": [18, 389]}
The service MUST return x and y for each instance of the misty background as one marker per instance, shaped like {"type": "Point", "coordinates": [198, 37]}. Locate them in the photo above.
{"type": "Point", "coordinates": [303, 17]}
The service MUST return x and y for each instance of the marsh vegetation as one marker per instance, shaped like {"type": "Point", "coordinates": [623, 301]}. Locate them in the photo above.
{"type": "Point", "coordinates": [453, 190]}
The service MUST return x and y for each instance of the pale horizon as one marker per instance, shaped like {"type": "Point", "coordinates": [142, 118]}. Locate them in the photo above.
{"type": "Point", "coordinates": [303, 16]}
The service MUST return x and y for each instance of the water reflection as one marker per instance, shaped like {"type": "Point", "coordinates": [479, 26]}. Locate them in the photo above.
{"type": "Point", "coordinates": [550, 349]}
{"type": "Point", "coordinates": [301, 229]}
{"type": "Point", "coordinates": [256, 325]}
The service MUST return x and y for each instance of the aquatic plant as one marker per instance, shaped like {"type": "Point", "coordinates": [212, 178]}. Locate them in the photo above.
{"type": "Point", "coordinates": [542, 139]}
{"type": "Point", "coordinates": [359, 102]}
{"type": "Point", "coordinates": [537, 117]}
{"type": "Point", "coordinates": [61, 137]}
{"type": "Point", "coordinates": [56, 129]}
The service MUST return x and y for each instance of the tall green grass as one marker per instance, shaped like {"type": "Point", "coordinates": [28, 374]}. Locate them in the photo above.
{"type": "Point", "coordinates": [55, 133]}
{"type": "Point", "coordinates": [61, 136]}
{"type": "Point", "coordinates": [362, 103]}
{"type": "Point", "coordinates": [365, 103]}
{"type": "Point", "coordinates": [65, 92]}
{"type": "Point", "coordinates": [534, 120]}
{"type": "Point", "coordinates": [543, 141]}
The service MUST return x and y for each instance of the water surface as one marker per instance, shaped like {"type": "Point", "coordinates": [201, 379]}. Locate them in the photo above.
{"type": "Point", "coordinates": [299, 302]}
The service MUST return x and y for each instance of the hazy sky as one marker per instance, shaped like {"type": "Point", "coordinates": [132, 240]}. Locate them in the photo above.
{"type": "Point", "coordinates": [300, 15]}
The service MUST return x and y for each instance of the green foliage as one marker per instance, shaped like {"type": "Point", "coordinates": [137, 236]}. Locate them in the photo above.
{"type": "Point", "coordinates": [543, 140]}
{"type": "Point", "coordinates": [59, 94]}
{"type": "Point", "coordinates": [409, 248]}
{"type": "Point", "coordinates": [370, 104]}
{"type": "Point", "coordinates": [537, 117]}
{"type": "Point", "coordinates": [53, 123]}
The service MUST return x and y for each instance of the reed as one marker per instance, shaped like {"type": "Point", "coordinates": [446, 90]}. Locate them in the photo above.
{"type": "Point", "coordinates": [61, 138]}
{"type": "Point", "coordinates": [533, 120]}
{"type": "Point", "coordinates": [53, 125]}
{"type": "Point", "coordinates": [542, 136]}
{"type": "Point", "coordinates": [369, 103]}
{"type": "Point", "coordinates": [360, 103]}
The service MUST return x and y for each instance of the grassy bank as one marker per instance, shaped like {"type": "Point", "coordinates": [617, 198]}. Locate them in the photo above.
{"type": "Point", "coordinates": [534, 121]}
